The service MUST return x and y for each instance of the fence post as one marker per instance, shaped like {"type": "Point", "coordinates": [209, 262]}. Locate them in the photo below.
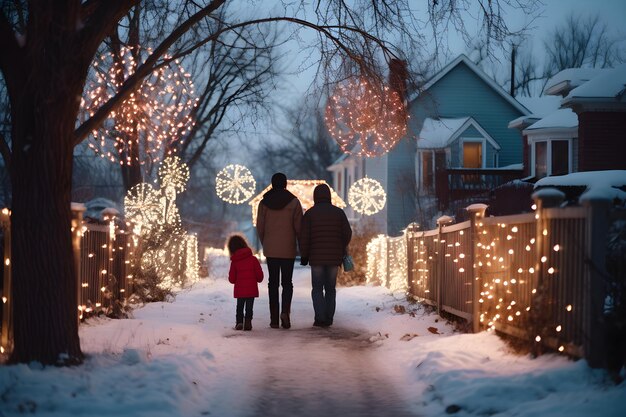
{"type": "Point", "coordinates": [411, 230]}
{"type": "Point", "coordinates": [598, 221]}
{"type": "Point", "coordinates": [77, 234]}
{"type": "Point", "coordinates": [540, 302]}
{"type": "Point", "coordinates": [477, 213]}
{"type": "Point", "coordinates": [6, 340]}
{"type": "Point", "coordinates": [441, 260]}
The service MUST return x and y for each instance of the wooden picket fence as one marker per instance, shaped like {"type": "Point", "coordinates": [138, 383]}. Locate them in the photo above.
{"type": "Point", "coordinates": [102, 260]}
{"type": "Point", "coordinates": [537, 276]}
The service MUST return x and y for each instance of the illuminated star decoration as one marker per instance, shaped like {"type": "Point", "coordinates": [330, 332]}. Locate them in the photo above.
{"type": "Point", "coordinates": [361, 113]}
{"type": "Point", "coordinates": [142, 205]}
{"type": "Point", "coordinates": [143, 128]}
{"type": "Point", "coordinates": [367, 196]}
{"type": "Point", "coordinates": [235, 184]}
{"type": "Point", "coordinates": [174, 173]}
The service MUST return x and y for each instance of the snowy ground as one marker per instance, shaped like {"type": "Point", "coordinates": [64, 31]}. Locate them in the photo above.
{"type": "Point", "coordinates": [184, 359]}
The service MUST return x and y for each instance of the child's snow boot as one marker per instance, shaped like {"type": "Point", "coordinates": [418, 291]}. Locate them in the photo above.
{"type": "Point", "coordinates": [247, 325]}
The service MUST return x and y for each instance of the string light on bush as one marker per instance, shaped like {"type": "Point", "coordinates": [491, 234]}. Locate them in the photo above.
{"type": "Point", "coordinates": [367, 196]}
{"type": "Point", "coordinates": [235, 184]}
{"type": "Point", "coordinates": [142, 205]}
{"type": "Point", "coordinates": [363, 113]}
{"type": "Point", "coordinates": [146, 124]}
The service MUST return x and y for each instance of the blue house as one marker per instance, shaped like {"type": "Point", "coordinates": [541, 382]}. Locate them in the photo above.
{"type": "Point", "coordinates": [457, 148]}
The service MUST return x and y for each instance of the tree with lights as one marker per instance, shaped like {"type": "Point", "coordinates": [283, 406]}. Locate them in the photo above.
{"type": "Point", "coordinates": [46, 50]}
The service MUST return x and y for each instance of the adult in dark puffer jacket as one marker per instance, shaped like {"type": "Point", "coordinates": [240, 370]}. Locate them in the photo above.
{"type": "Point", "coordinates": [278, 226]}
{"type": "Point", "coordinates": [324, 238]}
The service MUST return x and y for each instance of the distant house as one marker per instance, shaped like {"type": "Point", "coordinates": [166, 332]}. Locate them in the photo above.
{"type": "Point", "coordinates": [458, 146]}
{"type": "Point", "coordinates": [303, 189]}
{"type": "Point", "coordinates": [587, 132]}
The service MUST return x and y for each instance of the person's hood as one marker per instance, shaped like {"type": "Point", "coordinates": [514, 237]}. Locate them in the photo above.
{"type": "Point", "coordinates": [321, 194]}
{"type": "Point", "coordinates": [277, 198]}
{"type": "Point", "coordinates": [241, 254]}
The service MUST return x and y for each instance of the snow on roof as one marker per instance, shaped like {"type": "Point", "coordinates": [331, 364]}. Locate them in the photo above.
{"type": "Point", "coordinates": [560, 119]}
{"type": "Point", "coordinates": [540, 106]}
{"type": "Point", "coordinates": [437, 133]}
{"type": "Point", "coordinates": [600, 184]}
{"type": "Point", "coordinates": [570, 78]}
{"type": "Point", "coordinates": [610, 83]}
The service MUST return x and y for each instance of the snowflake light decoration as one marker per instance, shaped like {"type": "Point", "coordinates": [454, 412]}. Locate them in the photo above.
{"type": "Point", "coordinates": [142, 205]}
{"type": "Point", "coordinates": [235, 184]}
{"type": "Point", "coordinates": [173, 174]}
{"type": "Point", "coordinates": [147, 122]}
{"type": "Point", "coordinates": [367, 196]}
{"type": "Point", "coordinates": [361, 113]}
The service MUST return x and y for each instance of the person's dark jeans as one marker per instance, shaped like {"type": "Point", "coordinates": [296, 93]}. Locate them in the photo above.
{"type": "Point", "coordinates": [248, 304]}
{"type": "Point", "coordinates": [324, 280]}
{"type": "Point", "coordinates": [280, 272]}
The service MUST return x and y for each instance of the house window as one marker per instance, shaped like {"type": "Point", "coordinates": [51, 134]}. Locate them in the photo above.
{"type": "Point", "coordinates": [339, 182]}
{"type": "Point", "coordinates": [472, 155]}
{"type": "Point", "coordinates": [428, 178]}
{"type": "Point", "coordinates": [560, 157]}
{"type": "Point", "coordinates": [552, 157]}
{"type": "Point", "coordinates": [541, 159]}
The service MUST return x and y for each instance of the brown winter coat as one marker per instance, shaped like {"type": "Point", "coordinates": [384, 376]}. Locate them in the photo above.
{"type": "Point", "coordinates": [278, 224]}
{"type": "Point", "coordinates": [325, 231]}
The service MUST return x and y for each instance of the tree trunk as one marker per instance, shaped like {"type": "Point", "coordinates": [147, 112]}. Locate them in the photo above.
{"type": "Point", "coordinates": [44, 292]}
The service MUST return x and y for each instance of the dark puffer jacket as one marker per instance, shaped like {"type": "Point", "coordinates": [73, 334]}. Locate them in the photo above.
{"type": "Point", "coordinates": [325, 231]}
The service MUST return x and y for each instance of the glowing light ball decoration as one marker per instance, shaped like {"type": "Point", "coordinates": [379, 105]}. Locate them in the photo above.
{"type": "Point", "coordinates": [362, 113]}
{"type": "Point", "coordinates": [235, 184]}
{"type": "Point", "coordinates": [142, 205]}
{"type": "Point", "coordinates": [367, 196]}
{"type": "Point", "coordinates": [147, 122]}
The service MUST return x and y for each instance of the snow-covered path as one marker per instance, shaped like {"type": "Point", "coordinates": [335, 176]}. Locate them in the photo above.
{"type": "Point", "coordinates": [312, 372]}
{"type": "Point", "coordinates": [382, 357]}
{"type": "Point", "coordinates": [307, 371]}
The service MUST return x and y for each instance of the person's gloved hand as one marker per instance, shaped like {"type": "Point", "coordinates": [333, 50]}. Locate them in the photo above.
{"type": "Point", "coordinates": [304, 261]}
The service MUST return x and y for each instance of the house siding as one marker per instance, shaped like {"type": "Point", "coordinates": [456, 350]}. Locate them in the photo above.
{"type": "Point", "coordinates": [601, 141]}
{"type": "Point", "coordinates": [460, 93]}
{"type": "Point", "coordinates": [401, 187]}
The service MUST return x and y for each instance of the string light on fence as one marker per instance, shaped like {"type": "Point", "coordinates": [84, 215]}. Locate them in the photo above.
{"type": "Point", "coordinates": [367, 196]}
{"type": "Point", "coordinates": [365, 113]}
{"type": "Point", "coordinates": [235, 184]}
{"type": "Point", "coordinates": [147, 122]}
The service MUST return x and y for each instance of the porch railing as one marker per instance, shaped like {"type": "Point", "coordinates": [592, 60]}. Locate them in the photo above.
{"type": "Point", "coordinates": [453, 184]}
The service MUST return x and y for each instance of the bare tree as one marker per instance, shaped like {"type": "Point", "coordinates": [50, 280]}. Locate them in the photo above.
{"type": "Point", "coordinates": [46, 48]}
{"type": "Point", "coordinates": [582, 41]}
{"type": "Point", "coordinates": [305, 149]}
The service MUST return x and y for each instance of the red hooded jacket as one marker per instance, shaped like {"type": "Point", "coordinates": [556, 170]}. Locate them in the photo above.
{"type": "Point", "coordinates": [245, 272]}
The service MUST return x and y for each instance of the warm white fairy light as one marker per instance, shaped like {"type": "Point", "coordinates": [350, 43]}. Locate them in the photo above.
{"type": "Point", "coordinates": [363, 113]}
{"type": "Point", "coordinates": [155, 211]}
{"type": "Point", "coordinates": [142, 206]}
{"type": "Point", "coordinates": [150, 119]}
{"type": "Point", "coordinates": [235, 184]}
{"type": "Point", "coordinates": [191, 257]}
{"type": "Point", "coordinates": [367, 196]}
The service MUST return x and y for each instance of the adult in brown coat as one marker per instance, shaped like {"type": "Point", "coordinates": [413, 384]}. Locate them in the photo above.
{"type": "Point", "coordinates": [324, 239]}
{"type": "Point", "coordinates": [279, 217]}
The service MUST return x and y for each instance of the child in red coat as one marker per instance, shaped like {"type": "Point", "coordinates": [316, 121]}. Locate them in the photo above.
{"type": "Point", "coordinates": [245, 272]}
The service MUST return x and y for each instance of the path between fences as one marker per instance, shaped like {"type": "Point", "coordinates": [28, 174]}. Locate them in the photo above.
{"type": "Point", "coordinates": [309, 371]}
